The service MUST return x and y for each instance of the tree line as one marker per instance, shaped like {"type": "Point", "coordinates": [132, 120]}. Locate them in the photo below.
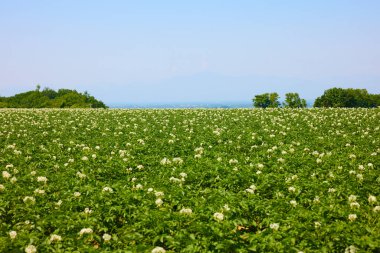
{"type": "Point", "coordinates": [49, 98]}
{"type": "Point", "coordinates": [334, 97]}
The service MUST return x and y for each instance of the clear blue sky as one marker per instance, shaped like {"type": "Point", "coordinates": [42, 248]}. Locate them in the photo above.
{"type": "Point", "coordinates": [199, 50]}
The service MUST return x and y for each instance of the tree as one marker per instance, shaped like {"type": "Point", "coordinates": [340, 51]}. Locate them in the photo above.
{"type": "Point", "coordinates": [266, 100]}
{"type": "Point", "coordinates": [293, 100]}
{"type": "Point", "coordinates": [351, 98]}
{"type": "Point", "coordinates": [48, 98]}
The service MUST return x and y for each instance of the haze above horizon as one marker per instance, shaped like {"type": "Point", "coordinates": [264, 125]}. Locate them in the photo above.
{"type": "Point", "coordinates": [194, 51]}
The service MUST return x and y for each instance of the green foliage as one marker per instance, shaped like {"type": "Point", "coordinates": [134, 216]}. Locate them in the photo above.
{"type": "Point", "coordinates": [350, 98]}
{"type": "Point", "coordinates": [266, 100]}
{"type": "Point", "coordinates": [293, 100]}
{"type": "Point", "coordinates": [241, 180]}
{"type": "Point", "coordinates": [49, 98]}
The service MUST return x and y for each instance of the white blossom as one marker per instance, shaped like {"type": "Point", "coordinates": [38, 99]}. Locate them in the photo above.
{"type": "Point", "coordinates": [159, 194]}
{"type": "Point", "coordinates": [107, 237]}
{"type": "Point", "coordinates": [352, 217]}
{"type": "Point", "coordinates": [165, 161]}
{"type": "Point", "coordinates": [351, 249]}
{"type": "Point", "coordinates": [186, 211]}
{"type": "Point", "coordinates": [218, 216]}
{"type": "Point", "coordinates": [107, 189]}
{"type": "Point", "coordinates": [158, 250]}
{"type": "Point", "coordinates": [372, 199]}
{"type": "Point", "coordinates": [159, 202]}
{"type": "Point", "coordinates": [29, 200]}
{"type": "Point", "coordinates": [42, 179]}
{"type": "Point", "coordinates": [274, 226]}
{"type": "Point", "coordinates": [12, 234]}
{"type": "Point", "coordinates": [31, 249]}
{"type": "Point", "coordinates": [6, 174]}
{"type": "Point", "coordinates": [85, 231]}
{"type": "Point", "coordinates": [55, 238]}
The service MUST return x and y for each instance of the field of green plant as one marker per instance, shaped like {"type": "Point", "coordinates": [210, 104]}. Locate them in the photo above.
{"type": "Point", "coordinates": [191, 180]}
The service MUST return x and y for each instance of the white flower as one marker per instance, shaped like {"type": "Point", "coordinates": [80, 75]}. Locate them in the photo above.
{"type": "Point", "coordinates": [175, 180]}
{"type": "Point", "coordinates": [107, 189]}
{"type": "Point", "coordinates": [249, 190]}
{"type": "Point", "coordinates": [159, 194]}
{"type": "Point", "coordinates": [233, 161]}
{"type": "Point", "coordinates": [218, 216]}
{"type": "Point", "coordinates": [352, 217]}
{"type": "Point", "coordinates": [39, 191]}
{"type": "Point", "coordinates": [12, 234]}
{"type": "Point", "coordinates": [177, 160]}
{"type": "Point", "coordinates": [107, 237]}
{"type": "Point", "coordinates": [316, 200]}
{"type": "Point", "coordinates": [59, 203]}
{"type": "Point", "coordinates": [186, 211]}
{"type": "Point", "coordinates": [159, 202]}
{"type": "Point", "coordinates": [33, 173]}
{"type": "Point", "coordinates": [140, 167]}
{"type": "Point", "coordinates": [376, 209]}
{"type": "Point", "coordinates": [138, 186]}
{"type": "Point", "coordinates": [6, 174]}
{"type": "Point", "coordinates": [372, 199]}
{"type": "Point", "coordinates": [13, 180]}
{"type": "Point", "coordinates": [42, 179]}
{"type": "Point", "coordinates": [293, 203]}
{"type": "Point", "coordinates": [81, 175]}
{"type": "Point", "coordinates": [31, 249]}
{"type": "Point", "coordinates": [2, 187]}
{"type": "Point", "coordinates": [351, 249]}
{"type": "Point", "coordinates": [197, 156]}
{"type": "Point", "coordinates": [331, 190]}
{"type": "Point", "coordinates": [183, 174]}
{"type": "Point", "coordinates": [260, 166]}
{"type": "Point", "coordinates": [29, 200]}
{"type": "Point", "coordinates": [158, 250]}
{"type": "Point", "coordinates": [150, 189]}
{"type": "Point", "coordinates": [361, 167]}
{"type": "Point", "coordinates": [274, 226]}
{"type": "Point", "coordinates": [226, 208]}
{"type": "Point", "coordinates": [77, 194]}
{"type": "Point", "coordinates": [84, 158]}
{"type": "Point", "coordinates": [291, 189]}
{"type": "Point", "coordinates": [85, 231]}
{"type": "Point", "coordinates": [317, 224]}
{"type": "Point", "coordinates": [352, 198]}
{"type": "Point", "coordinates": [87, 210]}
{"type": "Point", "coordinates": [165, 161]}
{"type": "Point", "coordinates": [354, 205]}
{"type": "Point", "coordinates": [55, 238]}
{"type": "Point", "coordinates": [359, 176]}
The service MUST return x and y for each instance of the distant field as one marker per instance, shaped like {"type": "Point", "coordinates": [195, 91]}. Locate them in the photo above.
{"type": "Point", "coordinates": [190, 180]}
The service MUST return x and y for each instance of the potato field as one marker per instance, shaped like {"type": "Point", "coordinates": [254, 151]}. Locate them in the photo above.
{"type": "Point", "coordinates": [190, 180]}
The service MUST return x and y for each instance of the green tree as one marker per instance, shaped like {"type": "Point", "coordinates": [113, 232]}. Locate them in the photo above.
{"type": "Point", "coordinates": [266, 100]}
{"type": "Point", "coordinates": [351, 98]}
{"type": "Point", "coordinates": [48, 98]}
{"type": "Point", "coordinates": [293, 100]}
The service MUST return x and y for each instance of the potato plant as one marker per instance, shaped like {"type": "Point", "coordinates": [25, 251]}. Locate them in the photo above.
{"type": "Point", "coordinates": [190, 180]}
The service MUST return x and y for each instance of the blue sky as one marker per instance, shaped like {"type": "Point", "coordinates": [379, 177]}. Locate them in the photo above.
{"type": "Point", "coordinates": [189, 51]}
